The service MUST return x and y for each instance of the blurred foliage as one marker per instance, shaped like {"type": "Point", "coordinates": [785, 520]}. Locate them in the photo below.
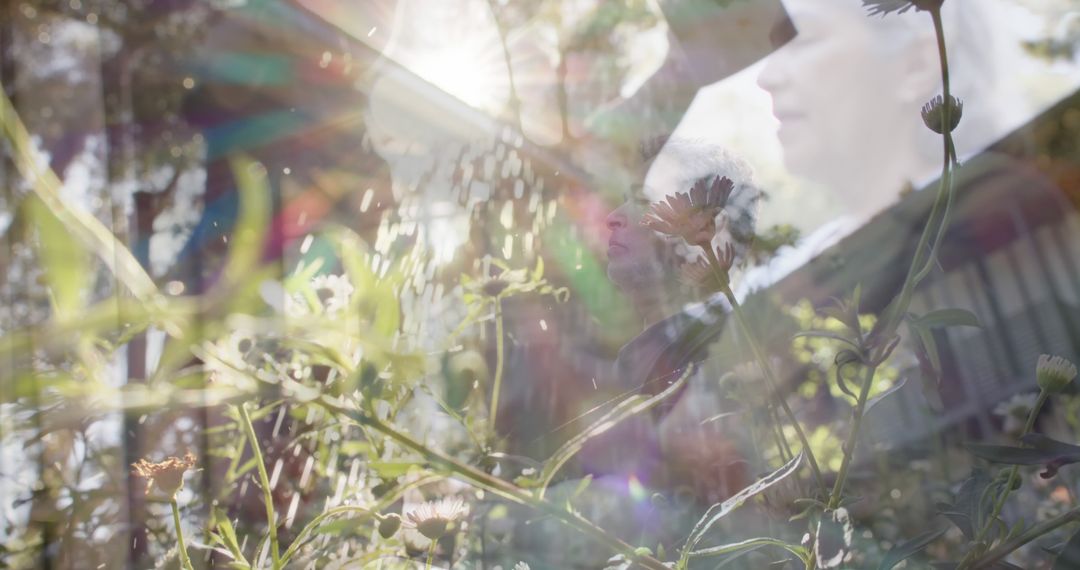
{"type": "Point", "coordinates": [319, 413]}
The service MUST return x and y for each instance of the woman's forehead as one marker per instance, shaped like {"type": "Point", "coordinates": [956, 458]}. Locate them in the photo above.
{"type": "Point", "coordinates": [666, 175]}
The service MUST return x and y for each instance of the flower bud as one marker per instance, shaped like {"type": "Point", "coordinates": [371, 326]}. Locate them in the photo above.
{"type": "Point", "coordinates": [933, 113]}
{"type": "Point", "coordinates": [1054, 373]}
{"type": "Point", "coordinates": [433, 528]}
{"type": "Point", "coordinates": [389, 525]}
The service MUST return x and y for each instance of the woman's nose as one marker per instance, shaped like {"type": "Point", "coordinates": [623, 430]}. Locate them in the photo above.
{"type": "Point", "coordinates": [771, 77]}
{"type": "Point", "coordinates": [617, 218]}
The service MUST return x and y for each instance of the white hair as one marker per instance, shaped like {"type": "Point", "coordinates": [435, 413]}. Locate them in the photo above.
{"type": "Point", "coordinates": [694, 160]}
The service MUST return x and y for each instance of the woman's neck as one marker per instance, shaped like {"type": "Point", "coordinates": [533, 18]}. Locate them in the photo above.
{"type": "Point", "coordinates": [650, 305]}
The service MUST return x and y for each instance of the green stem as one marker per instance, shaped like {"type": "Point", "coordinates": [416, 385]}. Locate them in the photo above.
{"type": "Point", "coordinates": [852, 438]}
{"type": "Point", "coordinates": [949, 149]}
{"type": "Point", "coordinates": [1005, 548]}
{"type": "Point", "coordinates": [771, 380]}
{"type": "Point", "coordinates": [431, 554]}
{"type": "Point", "coordinates": [1013, 474]}
{"type": "Point", "coordinates": [924, 256]}
{"type": "Point", "coordinates": [923, 262]}
{"type": "Point", "coordinates": [185, 562]}
{"type": "Point", "coordinates": [504, 489]}
{"type": "Point", "coordinates": [315, 522]}
{"type": "Point", "coordinates": [497, 383]}
{"type": "Point", "coordinates": [778, 432]}
{"type": "Point", "coordinates": [264, 480]}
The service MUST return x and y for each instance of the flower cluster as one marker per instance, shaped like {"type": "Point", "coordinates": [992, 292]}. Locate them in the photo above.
{"type": "Point", "coordinates": [691, 215]}
{"type": "Point", "coordinates": [167, 475]}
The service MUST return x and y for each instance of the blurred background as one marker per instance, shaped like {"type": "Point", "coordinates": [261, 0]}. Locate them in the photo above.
{"type": "Point", "coordinates": [447, 134]}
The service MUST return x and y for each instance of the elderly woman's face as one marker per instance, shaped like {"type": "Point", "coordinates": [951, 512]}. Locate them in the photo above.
{"type": "Point", "coordinates": [834, 87]}
{"type": "Point", "coordinates": [633, 250]}
{"type": "Point", "coordinates": [633, 262]}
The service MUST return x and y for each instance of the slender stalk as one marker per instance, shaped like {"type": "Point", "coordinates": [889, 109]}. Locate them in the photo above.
{"type": "Point", "coordinates": [499, 357]}
{"type": "Point", "coordinates": [949, 149]}
{"type": "Point", "coordinates": [943, 62]}
{"type": "Point", "coordinates": [1013, 474]}
{"type": "Point", "coordinates": [185, 562]}
{"type": "Point", "coordinates": [923, 262]}
{"type": "Point", "coordinates": [771, 380]}
{"type": "Point", "coordinates": [264, 481]}
{"type": "Point", "coordinates": [723, 277]}
{"type": "Point", "coordinates": [925, 250]}
{"type": "Point", "coordinates": [315, 522]}
{"type": "Point", "coordinates": [778, 432]}
{"type": "Point", "coordinates": [852, 438]}
{"type": "Point", "coordinates": [431, 554]}
{"type": "Point", "coordinates": [1006, 548]}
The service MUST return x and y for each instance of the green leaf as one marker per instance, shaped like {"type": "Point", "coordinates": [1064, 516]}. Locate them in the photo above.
{"type": "Point", "coordinates": [581, 486]}
{"type": "Point", "coordinates": [83, 227]}
{"type": "Point", "coordinates": [907, 549]}
{"type": "Point", "coordinates": [750, 544]}
{"type": "Point", "coordinates": [949, 318]}
{"type": "Point", "coordinates": [927, 347]}
{"type": "Point", "coordinates": [967, 512]}
{"type": "Point", "coordinates": [628, 407]}
{"type": "Point", "coordinates": [1069, 558]}
{"type": "Point", "coordinates": [1012, 455]}
{"type": "Point", "coordinates": [538, 272]}
{"type": "Point", "coordinates": [1040, 441]}
{"type": "Point", "coordinates": [375, 297]}
{"type": "Point", "coordinates": [354, 448]}
{"type": "Point", "coordinates": [877, 399]}
{"type": "Point", "coordinates": [721, 510]}
{"type": "Point", "coordinates": [228, 535]}
{"type": "Point", "coordinates": [392, 469]}
{"type": "Point", "coordinates": [1043, 451]}
{"type": "Point", "coordinates": [829, 335]}
{"type": "Point", "coordinates": [63, 258]}
{"type": "Point", "coordinates": [246, 242]}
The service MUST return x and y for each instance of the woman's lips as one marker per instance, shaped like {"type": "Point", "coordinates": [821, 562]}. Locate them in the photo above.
{"type": "Point", "coordinates": [785, 116]}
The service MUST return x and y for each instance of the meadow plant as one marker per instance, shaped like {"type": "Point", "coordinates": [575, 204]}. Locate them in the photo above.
{"type": "Point", "coordinates": [319, 352]}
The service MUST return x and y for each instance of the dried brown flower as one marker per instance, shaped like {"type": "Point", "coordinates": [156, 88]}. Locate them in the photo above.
{"type": "Point", "coordinates": [702, 273]}
{"type": "Point", "coordinates": [167, 475]}
{"type": "Point", "coordinates": [691, 215]}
